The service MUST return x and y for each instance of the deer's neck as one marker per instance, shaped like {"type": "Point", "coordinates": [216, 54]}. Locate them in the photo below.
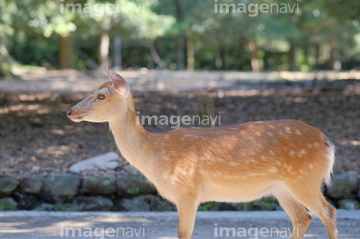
{"type": "Point", "coordinates": [132, 139]}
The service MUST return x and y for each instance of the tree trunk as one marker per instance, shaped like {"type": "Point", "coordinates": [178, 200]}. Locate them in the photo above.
{"type": "Point", "coordinates": [66, 52]}
{"type": "Point", "coordinates": [219, 58]}
{"type": "Point", "coordinates": [104, 49]}
{"type": "Point", "coordinates": [180, 39]}
{"type": "Point", "coordinates": [5, 60]}
{"type": "Point", "coordinates": [317, 57]}
{"type": "Point", "coordinates": [335, 59]}
{"type": "Point", "coordinates": [256, 62]}
{"type": "Point", "coordinates": [117, 53]}
{"type": "Point", "coordinates": [292, 64]}
{"type": "Point", "coordinates": [155, 56]}
{"type": "Point", "coordinates": [180, 53]}
{"type": "Point", "coordinates": [190, 51]}
{"type": "Point", "coordinates": [105, 43]}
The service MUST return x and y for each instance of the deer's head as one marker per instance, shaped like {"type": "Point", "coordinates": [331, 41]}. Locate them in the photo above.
{"type": "Point", "coordinates": [108, 101]}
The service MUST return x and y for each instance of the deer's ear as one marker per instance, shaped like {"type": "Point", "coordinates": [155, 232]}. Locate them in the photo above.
{"type": "Point", "coordinates": [119, 83]}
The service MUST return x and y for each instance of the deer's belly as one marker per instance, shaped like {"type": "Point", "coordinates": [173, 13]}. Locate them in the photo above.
{"type": "Point", "coordinates": [235, 191]}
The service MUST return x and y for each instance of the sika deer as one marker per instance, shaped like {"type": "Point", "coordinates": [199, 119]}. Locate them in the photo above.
{"type": "Point", "coordinates": [189, 166]}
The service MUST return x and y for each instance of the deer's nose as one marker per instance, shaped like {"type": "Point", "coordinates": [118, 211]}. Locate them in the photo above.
{"type": "Point", "coordinates": [68, 112]}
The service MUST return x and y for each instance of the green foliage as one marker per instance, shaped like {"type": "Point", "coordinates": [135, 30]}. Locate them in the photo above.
{"type": "Point", "coordinates": [261, 205]}
{"type": "Point", "coordinates": [157, 204]}
{"type": "Point", "coordinates": [133, 190]}
{"type": "Point", "coordinates": [30, 32]}
{"type": "Point", "coordinates": [5, 205]}
{"type": "Point", "coordinates": [209, 206]}
{"type": "Point", "coordinates": [62, 207]}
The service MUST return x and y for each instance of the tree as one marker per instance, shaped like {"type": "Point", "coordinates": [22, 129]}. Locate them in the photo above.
{"type": "Point", "coordinates": [7, 8]}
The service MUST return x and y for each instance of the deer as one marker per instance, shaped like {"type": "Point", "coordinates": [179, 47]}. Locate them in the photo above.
{"type": "Point", "coordinates": [285, 159]}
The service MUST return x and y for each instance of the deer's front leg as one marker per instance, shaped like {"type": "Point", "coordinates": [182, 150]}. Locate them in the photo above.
{"type": "Point", "coordinates": [187, 212]}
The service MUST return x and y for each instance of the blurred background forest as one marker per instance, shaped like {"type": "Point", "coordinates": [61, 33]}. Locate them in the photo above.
{"type": "Point", "coordinates": [178, 35]}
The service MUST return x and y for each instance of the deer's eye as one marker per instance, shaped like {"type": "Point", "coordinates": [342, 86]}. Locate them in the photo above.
{"type": "Point", "coordinates": [101, 96]}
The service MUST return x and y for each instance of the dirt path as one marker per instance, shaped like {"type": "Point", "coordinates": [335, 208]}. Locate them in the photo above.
{"type": "Point", "coordinates": [161, 225]}
{"type": "Point", "coordinates": [37, 137]}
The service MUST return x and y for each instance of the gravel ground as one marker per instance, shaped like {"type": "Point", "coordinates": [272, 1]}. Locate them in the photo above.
{"type": "Point", "coordinates": [162, 225]}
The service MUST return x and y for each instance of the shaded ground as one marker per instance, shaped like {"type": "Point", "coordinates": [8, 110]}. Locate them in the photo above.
{"type": "Point", "coordinates": [162, 225]}
{"type": "Point", "coordinates": [36, 136]}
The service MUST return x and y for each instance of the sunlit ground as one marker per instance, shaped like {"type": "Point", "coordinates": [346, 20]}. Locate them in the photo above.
{"type": "Point", "coordinates": [263, 225]}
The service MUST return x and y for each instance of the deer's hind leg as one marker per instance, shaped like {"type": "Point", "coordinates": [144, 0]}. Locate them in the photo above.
{"type": "Point", "coordinates": [300, 218]}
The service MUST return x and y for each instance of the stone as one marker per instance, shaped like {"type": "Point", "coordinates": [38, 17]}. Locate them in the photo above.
{"type": "Point", "coordinates": [45, 207]}
{"type": "Point", "coordinates": [157, 204]}
{"type": "Point", "coordinates": [102, 185]}
{"type": "Point", "coordinates": [130, 169]}
{"type": "Point", "coordinates": [7, 185]}
{"type": "Point", "coordinates": [349, 204]}
{"type": "Point", "coordinates": [61, 186]}
{"type": "Point", "coordinates": [8, 204]}
{"type": "Point", "coordinates": [26, 201]}
{"type": "Point", "coordinates": [32, 184]}
{"type": "Point", "coordinates": [136, 204]}
{"type": "Point", "coordinates": [343, 186]}
{"type": "Point", "coordinates": [93, 203]}
{"type": "Point", "coordinates": [103, 161]}
{"type": "Point", "coordinates": [133, 184]}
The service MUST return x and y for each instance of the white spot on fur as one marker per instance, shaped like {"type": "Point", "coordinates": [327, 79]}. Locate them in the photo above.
{"type": "Point", "coordinates": [258, 133]}
{"type": "Point", "coordinates": [309, 146]}
{"type": "Point", "coordinates": [290, 168]}
{"type": "Point", "coordinates": [263, 158]}
{"type": "Point", "coordinates": [311, 166]}
{"type": "Point", "coordinates": [297, 132]}
{"type": "Point", "coordinates": [217, 173]}
{"type": "Point", "coordinates": [301, 153]}
{"type": "Point", "coordinates": [183, 172]}
{"type": "Point", "coordinates": [191, 171]}
{"type": "Point", "coordinates": [271, 152]}
{"type": "Point", "coordinates": [272, 126]}
{"type": "Point", "coordinates": [208, 161]}
{"type": "Point", "coordinates": [292, 153]}
{"type": "Point", "coordinates": [270, 134]}
{"type": "Point", "coordinates": [280, 132]}
{"type": "Point", "coordinates": [232, 163]}
{"type": "Point", "coordinates": [287, 129]}
{"type": "Point", "coordinates": [316, 144]}
{"type": "Point", "coordinates": [273, 170]}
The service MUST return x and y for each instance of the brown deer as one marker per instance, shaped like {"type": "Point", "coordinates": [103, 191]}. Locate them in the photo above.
{"type": "Point", "coordinates": [287, 159]}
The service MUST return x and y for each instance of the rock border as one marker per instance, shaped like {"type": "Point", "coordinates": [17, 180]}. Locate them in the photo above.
{"type": "Point", "coordinates": [131, 191]}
